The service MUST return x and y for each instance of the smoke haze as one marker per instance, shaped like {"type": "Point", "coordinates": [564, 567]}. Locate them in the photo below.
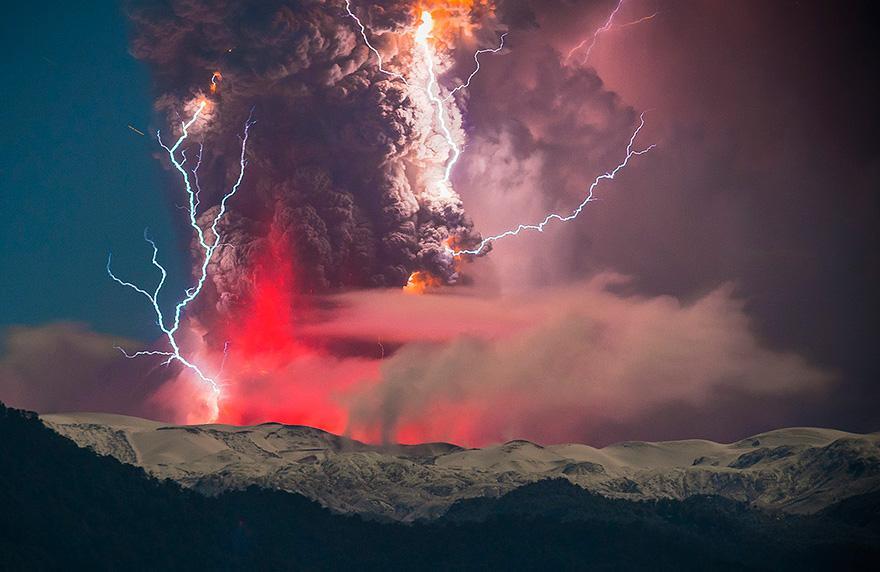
{"type": "Point", "coordinates": [715, 289]}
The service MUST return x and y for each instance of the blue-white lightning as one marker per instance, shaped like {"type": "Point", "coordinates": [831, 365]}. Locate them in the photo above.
{"type": "Point", "coordinates": [477, 68]}
{"type": "Point", "coordinates": [630, 153]}
{"type": "Point", "coordinates": [208, 245]}
{"type": "Point", "coordinates": [432, 89]}
{"type": "Point", "coordinates": [606, 27]}
{"type": "Point", "coordinates": [363, 30]}
{"type": "Point", "coordinates": [595, 37]}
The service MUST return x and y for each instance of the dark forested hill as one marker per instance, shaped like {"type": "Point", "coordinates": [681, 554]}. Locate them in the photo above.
{"type": "Point", "coordinates": [65, 507]}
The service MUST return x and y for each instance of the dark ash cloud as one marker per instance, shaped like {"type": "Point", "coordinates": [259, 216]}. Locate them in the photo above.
{"type": "Point", "coordinates": [334, 166]}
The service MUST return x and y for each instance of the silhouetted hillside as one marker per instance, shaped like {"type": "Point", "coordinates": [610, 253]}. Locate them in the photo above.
{"type": "Point", "coordinates": [65, 507]}
{"type": "Point", "coordinates": [862, 511]}
{"type": "Point", "coordinates": [731, 531]}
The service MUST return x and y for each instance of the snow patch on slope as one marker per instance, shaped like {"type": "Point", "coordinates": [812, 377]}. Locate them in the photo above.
{"type": "Point", "coordinates": [799, 470]}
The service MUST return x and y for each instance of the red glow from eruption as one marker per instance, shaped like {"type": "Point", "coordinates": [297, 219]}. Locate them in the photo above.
{"type": "Point", "coordinates": [267, 369]}
{"type": "Point", "coordinates": [274, 371]}
{"type": "Point", "coordinates": [270, 373]}
{"type": "Point", "coordinates": [268, 326]}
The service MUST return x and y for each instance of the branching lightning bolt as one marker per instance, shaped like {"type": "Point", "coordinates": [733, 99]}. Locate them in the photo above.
{"type": "Point", "coordinates": [422, 35]}
{"type": "Point", "coordinates": [432, 88]}
{"type": "Point", "coordinates": [363, 30]}
{"type": "Point", "coordinates": [208, 247]}
{"type": "Point", "coordinates": [634, 22]}
{"type": "Point", "coordinates": [595, 37]}
{"type": "Point", "coordinates": [606, 27]}
{"type": "Point", "coordinates": [630, 153]}
{"type": "Point", "coordinates": [477, 68]}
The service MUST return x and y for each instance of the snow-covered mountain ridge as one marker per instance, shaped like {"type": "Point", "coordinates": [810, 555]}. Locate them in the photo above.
{"type": "Point", "coordinates": [798, 470]}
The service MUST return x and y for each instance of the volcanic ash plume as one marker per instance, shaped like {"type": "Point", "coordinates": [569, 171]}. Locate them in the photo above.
{"type": "Point", "coordinates": [346, 165]}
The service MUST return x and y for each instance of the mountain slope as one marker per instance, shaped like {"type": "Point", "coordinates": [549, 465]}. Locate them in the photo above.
{"type": "Point", "coordinates": [62, 506]}
{"type": "Point", "coordinates": [797, 470]}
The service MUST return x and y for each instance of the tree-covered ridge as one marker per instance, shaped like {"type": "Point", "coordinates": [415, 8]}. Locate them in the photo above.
{"type": "Point", "coordinates": [65, 507]}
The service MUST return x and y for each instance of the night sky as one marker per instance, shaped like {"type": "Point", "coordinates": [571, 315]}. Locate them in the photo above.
{"type": "Point", "coordinates": [764, 187]}
{"type": "Point", "coordinates": [76, 179]}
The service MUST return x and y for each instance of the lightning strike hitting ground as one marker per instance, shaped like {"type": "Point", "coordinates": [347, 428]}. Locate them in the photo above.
{"type": "Point", "coordinates": [208, 246]}
{"type": "Point", "coordinates": [630, 153]}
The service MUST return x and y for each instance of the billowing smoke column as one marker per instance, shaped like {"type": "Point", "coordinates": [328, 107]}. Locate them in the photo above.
{"type": "Point", "coordinates": [348, 183]}
{"type": "Point", "coordinates": [342, 183]}
{"type": "Point", "coordinates": [359, 126]}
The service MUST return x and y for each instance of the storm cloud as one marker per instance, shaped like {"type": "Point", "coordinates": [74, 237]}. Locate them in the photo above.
{"type": "Point", "coordinates": [338, 155]}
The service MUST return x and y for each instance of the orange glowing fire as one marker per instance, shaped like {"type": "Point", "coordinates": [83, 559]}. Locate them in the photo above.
{"type": "Point", "coordinates": [205, 107]}
{"type": "Point", "coordinates": [452, 244]}
{"type": "Point", "coordinates": [462, 6]}
{"type": "Point", "coordinates": [215, 81]}
{"type": "Point", "coordinates": [420, 282]}
{"type": "Point", "coordinates": [453, 17]}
